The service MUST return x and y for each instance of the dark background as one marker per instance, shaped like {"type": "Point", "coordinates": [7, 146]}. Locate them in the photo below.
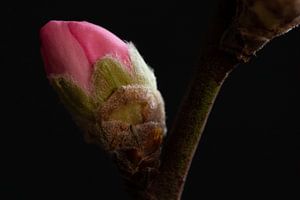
{"type": "Point", "coordinates": [250, 147]}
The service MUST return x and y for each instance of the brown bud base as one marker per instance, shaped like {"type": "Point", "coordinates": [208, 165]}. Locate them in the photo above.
{"type": "Point", "coordinates": [131, 127]}
{"type": "Point", "coordinates": [256, 23]}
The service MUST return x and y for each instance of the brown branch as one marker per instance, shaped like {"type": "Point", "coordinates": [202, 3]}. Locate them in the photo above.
{"type": "Point", "coordinates": [182, 142]}
{"type": "Point", "coordinates": [234, 37]}
{"type": "Point", "coordinates": [189, 126]}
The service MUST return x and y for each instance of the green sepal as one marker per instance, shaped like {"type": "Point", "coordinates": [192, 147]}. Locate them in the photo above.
{"type": "Point", "coordinates": [73, 97]}
{"type": "Point", "coordinates": [109, 75]}
{"type": "Point", "coordinates": [141, 72]}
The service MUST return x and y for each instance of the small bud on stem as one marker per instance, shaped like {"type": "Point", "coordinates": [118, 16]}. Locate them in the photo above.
{"type": "Point", "coordinates": [257, 22]}
{"type": "Point", "coordinates": [110, 92]}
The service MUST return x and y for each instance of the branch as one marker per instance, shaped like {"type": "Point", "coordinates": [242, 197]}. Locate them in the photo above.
{"type": "Point", "coordinates": [210, 73]}
{"type": "Point", "coordinates": [239, 30]}
{"type": "Point", "coordinates": [189, 125]}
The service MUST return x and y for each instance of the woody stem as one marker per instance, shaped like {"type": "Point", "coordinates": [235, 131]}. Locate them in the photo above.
{"type": "Point", "coordinates": [189, 125]}
{"type": "Point", "coordinates": [210, 73]}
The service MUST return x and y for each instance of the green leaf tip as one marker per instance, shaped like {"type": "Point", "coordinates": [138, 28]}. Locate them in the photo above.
{"type": "Point", "coordinates": [108, 76]}
{"type": "Point", "coordinates": [73, 97]}
{"type": "Point", "coordinates": [142, 73]}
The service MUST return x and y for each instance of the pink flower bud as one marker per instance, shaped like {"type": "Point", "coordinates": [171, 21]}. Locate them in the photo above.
{"type": "Point", "coordinates": [109, 90]}
{"type": "Point", "coordinates": [72, 48]}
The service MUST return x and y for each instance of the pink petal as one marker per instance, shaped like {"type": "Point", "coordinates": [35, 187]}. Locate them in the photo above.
{"type": "Point", "coordinates": [98, 42]}
{"type": "Point", "coordinates": [63, 54]}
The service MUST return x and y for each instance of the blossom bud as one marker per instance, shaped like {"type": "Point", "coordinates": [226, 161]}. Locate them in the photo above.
{"type": "Point", "coordinates": [257, 22]}
{"type": "Point", "coordinates": [109, 90]}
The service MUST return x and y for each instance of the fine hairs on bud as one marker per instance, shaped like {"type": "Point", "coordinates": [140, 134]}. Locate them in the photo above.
{"type": "Point", "coordinates": [124, 113]}
{"type": "Point", "coordinates": [130, 118]}
{"type": "Point", "coordinates": [110, 92]}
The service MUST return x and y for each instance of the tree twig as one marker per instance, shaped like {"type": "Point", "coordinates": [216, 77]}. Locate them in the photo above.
{"type": "Point", "coordinates": [239, 30]}
{"type": "Point", "coordinates": [213, 68]}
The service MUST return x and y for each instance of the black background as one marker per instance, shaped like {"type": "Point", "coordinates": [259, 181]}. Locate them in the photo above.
{"type": "Point", "coordinates": [250, 147]}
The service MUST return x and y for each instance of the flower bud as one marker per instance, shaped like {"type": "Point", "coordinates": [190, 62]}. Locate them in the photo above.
{"type": "Point", "coordinates": [257, 22]}
{"type": "Point", "coordinates": [109, 90]}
